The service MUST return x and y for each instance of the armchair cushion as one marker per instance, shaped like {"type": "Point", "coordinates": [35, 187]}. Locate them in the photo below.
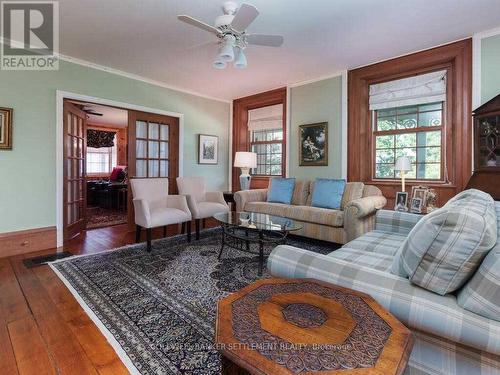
{"type": "Point", "coordinates": [208, 209]}
{"type": "Point", "coordinates": [161, 216]}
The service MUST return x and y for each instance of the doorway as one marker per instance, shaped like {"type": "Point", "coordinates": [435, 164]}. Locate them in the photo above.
{"type": "Point", "coordinates": [93, 187]}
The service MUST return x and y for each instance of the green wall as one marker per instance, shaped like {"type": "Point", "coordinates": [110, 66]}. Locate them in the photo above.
{"type": "Point", "coordinates": [319, 101]}
{"type": "Point", "coordinates": [490, 68]}
{"type": "Point", "coordinates": [28, 172]}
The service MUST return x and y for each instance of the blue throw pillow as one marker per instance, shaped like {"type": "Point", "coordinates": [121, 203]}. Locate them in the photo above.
{"type": "Point", "coordinates": [281, 190]}
{"type": "Point", "coordinates": [328, 193]}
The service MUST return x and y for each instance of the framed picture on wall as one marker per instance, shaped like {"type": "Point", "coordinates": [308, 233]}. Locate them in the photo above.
{"type": "Point", "coordinates": [208, 149]}
{"type": "Point", "coordinates": [313, 147]}
{"type": "Point", "coordinates": [6, 128]}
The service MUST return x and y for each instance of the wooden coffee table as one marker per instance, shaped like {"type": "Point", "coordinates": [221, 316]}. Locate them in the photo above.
{"type": "Point", "coordinates": [305, 326]}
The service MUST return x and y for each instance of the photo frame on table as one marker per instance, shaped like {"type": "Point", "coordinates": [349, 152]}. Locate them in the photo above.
{"type": "Point", "coordinates": [6, 128]}
{"type": "Point", "coordinates": [401, 201]}
{"type": "Point", "coordinates": [416, 205]}
{"type": "Point", "coordinates": [208, 149]}
{"type": "Point", "coordinates": [420, 192]}
{"type": "Point", "coordinates": [313, 147]}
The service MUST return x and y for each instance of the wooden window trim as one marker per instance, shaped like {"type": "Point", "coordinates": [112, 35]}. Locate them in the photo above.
{"type": "Point", "coordinates": [456, 58]}
{"type": "Point", "coordinates": [241, 135]}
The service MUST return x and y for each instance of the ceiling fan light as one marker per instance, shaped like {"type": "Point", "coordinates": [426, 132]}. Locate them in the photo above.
{"type": "Point", "coordinates": [226, 52]}
{"type": "Point", "coordinates": [241, 60]}
{"type": "Point", "coordinates": [219, 63]}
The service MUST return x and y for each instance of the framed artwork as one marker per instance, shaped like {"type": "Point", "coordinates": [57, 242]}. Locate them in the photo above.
{"type": "Point", "coordinates": [313, 148]}
{"type": "Point", "coordinates": [416, 205]}
{"type": "Point", "coordinates": [420, 192]}
{"type": "Point", "coordinates": [208, 149]}
{"type": "Point", "coordinates": [6, 128]}
{"type": "Point", "coordinates": [401, 201]}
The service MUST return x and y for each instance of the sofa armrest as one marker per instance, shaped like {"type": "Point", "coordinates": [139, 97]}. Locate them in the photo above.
{"type": "Point", "coordinates": [366, 206]}
{"type": "Point", "coordinates": [417, 308]}
{"type": "Point", "coordinates": [396, 221]}
{"type": "Point", "coordinates": [244, 196]}
{"type": "Point", "coordinates": [216, 197]}
{"type": "Point", "coordinates": [142, 213]}
{"type": "Point", "coordinates": [359, 215]}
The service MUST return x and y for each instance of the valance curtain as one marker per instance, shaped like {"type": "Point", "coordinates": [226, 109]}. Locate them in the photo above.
{"type": "Point", "coordinates": [100, 138]}
{"type": "Point", "coordinates": [270, 117]}
{"type": "Point", "coordinates": [421, 89]}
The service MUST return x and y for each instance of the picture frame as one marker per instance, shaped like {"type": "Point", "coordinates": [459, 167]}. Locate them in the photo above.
{"type": "Point", "coordinates": [401, 202]}
{"type": "Point", "coordinates": [420, 192]}
{"type": "Point", "coordinates": [208, 149]}
{"type": "Point", "coordinates": [416, 205]}
{"type": "Point", "coordinates": [313, 144]}
{"type": "Point", "coordinates": [6, 128]}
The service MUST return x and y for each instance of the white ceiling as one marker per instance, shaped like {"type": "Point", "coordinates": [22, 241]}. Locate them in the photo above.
{"type": "Point", "coordinates": [111, 117]}
{"type": "Point", "coordinates": [322, 37]}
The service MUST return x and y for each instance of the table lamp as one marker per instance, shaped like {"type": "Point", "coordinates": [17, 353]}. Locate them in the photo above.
{"type": "Point", "coordinates": [403, 164]}
{"type": "Point", "coordinates": [245, 161]}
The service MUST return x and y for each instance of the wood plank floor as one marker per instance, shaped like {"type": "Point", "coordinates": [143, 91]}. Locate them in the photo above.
{"type": "Point", "coordinates": [43, 329]}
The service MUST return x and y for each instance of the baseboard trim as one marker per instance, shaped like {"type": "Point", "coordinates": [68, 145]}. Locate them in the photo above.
{"type": "Point", "coordinates": [27, 241]}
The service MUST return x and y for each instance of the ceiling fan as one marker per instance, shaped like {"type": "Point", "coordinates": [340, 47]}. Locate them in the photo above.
{"type": "Point", "coordinates": [90, 111]}
{"type": "Point", "coordinates": [230, 28]}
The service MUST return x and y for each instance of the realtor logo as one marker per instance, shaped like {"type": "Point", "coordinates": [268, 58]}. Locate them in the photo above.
{"type": "Point", "coordinates": [30, 35]}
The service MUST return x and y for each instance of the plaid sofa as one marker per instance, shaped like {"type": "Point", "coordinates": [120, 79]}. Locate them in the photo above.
{"type": "Point", "coordinates": [359, 204]}
{"type": "Point", "coordinates": [448, 338]}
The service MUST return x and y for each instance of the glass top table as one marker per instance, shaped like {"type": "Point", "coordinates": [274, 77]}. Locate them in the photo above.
{"type": "Point", "coordinates": [241, 229]}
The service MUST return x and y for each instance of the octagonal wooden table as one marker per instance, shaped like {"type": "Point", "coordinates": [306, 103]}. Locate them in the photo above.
{"type": "Point", "coordinates": [305, 326]}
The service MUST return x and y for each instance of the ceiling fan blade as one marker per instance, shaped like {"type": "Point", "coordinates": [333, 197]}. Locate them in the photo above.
{"type": "Point", "coordinates": [201, 25]}
{"type": "Point", "coordinates": [244, 17]}
{"type": "Point", "coordinates": [265, 40]}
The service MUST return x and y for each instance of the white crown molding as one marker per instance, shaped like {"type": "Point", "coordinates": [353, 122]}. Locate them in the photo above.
{"type": "Point", "coordinates": [313, 80]}
{"type": "Point", "coordinates": [136, 77]}
{"type": "Point", "coordinates": [487, 33]}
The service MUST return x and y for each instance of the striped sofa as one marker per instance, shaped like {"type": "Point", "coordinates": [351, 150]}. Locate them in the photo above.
{"type": "Point", "coordinates": [449, 339]}
{"type": "Point", "coordinates": [359, 204]}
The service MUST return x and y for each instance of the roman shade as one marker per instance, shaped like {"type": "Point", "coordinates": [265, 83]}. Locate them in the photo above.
{"type": "Point", "coordinates": [270, 117]}
{"type": "Point", "coordinates": [100, 138]}
{"type": "Point", "coordinates": [421, 89]}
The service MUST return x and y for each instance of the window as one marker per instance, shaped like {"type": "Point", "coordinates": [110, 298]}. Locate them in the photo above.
{"type": "Point", "coordinates": [414, 131]}
{"type": "Point", "coordinates": [268, 145]}
{"type": "Point", "coordinates": [101, 160]}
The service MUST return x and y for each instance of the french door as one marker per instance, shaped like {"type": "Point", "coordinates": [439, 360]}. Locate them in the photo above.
{"type": "Point", "coordinates": [153, 149]}
{"type": "Point", "coordinates": [75, 192]}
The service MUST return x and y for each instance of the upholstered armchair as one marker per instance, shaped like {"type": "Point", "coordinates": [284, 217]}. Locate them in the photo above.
{"type": "Point", "coordinates": [202, 204]}
{"type": "Point", "coordinates": [155, 208]}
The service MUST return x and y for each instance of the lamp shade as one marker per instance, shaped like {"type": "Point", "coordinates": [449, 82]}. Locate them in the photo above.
{"type": "Point", "coordinates": [403, 163]}
{"type": "Point", "coordinates": [245, 160]}
{"type": "Point", "coordinates": [226, 52]}
{"type": "Point", "coordinates": [240, 61]}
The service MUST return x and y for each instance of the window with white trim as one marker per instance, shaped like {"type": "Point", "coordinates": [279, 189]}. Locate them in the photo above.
{"type": "Point", "coordinates": [101, 160]}
{"type": "Point", "coordinates": [408, 120]}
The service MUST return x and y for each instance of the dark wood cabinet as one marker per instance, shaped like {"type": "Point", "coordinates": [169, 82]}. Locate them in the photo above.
{"type": "Point", "coordinates": [486, 175]}
{"type": "Point", "coordinates": [487, 136]}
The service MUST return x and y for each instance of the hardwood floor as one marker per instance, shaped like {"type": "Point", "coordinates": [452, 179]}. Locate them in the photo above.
{"type": "Point", "coordinates": [43, 329]}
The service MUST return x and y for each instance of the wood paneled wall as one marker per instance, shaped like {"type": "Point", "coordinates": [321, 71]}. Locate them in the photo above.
{"type": "Point", "coordinates": [456, 58]}
{"type": "Point", "coordinates": [241, 141]}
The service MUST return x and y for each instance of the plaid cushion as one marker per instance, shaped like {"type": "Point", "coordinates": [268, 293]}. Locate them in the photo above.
{"type": "Point", "coordinates": [373, 260]}
{"type": "Point", "coordinates": [482, 293]}
{"type": "Point", "coordinates": [396, 222]}
{"type": "Point", "coordinates": [415, 307]}
{"type": "Point", "coordinates": [445, 247]}
{"type": "Point", "coordinates": [377, 241]}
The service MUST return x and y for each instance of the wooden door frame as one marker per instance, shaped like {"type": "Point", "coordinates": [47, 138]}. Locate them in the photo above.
{"type": "Point", "coordinates": [60, 96]}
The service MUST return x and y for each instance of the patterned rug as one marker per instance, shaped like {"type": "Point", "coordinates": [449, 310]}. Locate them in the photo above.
{"type": "Point", "coordinates": [158, 310]}
{"type": "Point", "coordinates": [98, 217]}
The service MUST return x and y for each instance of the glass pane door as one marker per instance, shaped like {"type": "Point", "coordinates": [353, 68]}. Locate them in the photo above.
{"type": "Point", "coordinates": [152, 145]}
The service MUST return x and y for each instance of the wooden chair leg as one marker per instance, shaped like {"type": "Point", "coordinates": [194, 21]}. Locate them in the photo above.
{"type": "Point", "coordinates": [183, 228]}
{"type": "Point", "coordinates": [188, 230]}
{"type": "Point", "coordinates": [137, 233]}
{"type": "Point", "coordinates": [148, 236]}
{"type": "Point", "coordinates": [203, 224]}
{"type": "Point", "coordinates": [164, 231]}
{"type": "Point", "coordinates": [197, 228]}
